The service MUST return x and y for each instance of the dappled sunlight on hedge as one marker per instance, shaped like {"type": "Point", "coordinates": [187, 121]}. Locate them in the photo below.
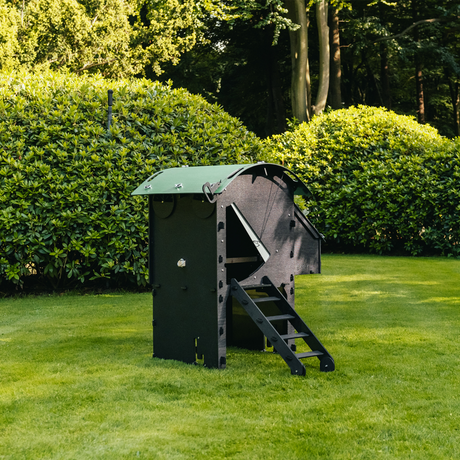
{"type": "Point", "coordinates": [383, 183]}
{"type": "Point", "coordinates": [66, 213]}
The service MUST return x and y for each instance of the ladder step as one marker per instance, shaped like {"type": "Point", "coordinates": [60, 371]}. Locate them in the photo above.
{"type": "Point", "coordinates": [255, 286]}
{"type": "Point", "coordinates": [279, 341]}
{"type": "Point", "coordinates": [309, 354]}
{"type": "Point", "coordinates": [266, 299]}
{"type": "Point", "coordinates": [278, 317]}
{"type": "Point", "coordinates": [299, 335]}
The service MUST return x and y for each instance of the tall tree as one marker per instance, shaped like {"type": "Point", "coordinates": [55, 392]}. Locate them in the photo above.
{"type": "Point", "coordinates": [420, 95]}
{"type": "Point", "coordinates": [239, 67]}
{"type": "Point", "coordinates": [399, 55]}
{"type": "Point", "coordinates": [115, 37]}
{"type": "Point", "coordinates": [299, 13]}
{"type": "Point", "coordinates": [76, 35]}
{"type": "Point", "coordinates": [300, 81]}
{"type": "Point", "coordinates": [324, 56]}
{"type": "Point", "coordinates": [335, 84]}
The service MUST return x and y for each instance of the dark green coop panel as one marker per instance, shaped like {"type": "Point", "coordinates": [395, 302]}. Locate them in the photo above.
{"type": "Point", "coordinates": [225, 244]}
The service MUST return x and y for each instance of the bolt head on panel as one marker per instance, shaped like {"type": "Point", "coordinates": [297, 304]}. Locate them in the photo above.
{"type": "Point", "coordinates": [181, 263]}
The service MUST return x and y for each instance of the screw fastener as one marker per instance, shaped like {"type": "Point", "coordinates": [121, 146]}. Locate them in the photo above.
{"type": "Point", "coordinates": [181, 263]}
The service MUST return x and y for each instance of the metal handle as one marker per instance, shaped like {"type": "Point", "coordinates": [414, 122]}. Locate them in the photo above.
{"type": "Point", "coordinates": [211, 188]}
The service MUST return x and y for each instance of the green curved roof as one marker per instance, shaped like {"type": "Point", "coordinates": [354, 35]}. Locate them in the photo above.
{"type": "Point", "coordinates": [191, 179]}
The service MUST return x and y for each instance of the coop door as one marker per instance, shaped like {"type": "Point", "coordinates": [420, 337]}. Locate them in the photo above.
{"type": "Point", "coordinates": [245, 250]}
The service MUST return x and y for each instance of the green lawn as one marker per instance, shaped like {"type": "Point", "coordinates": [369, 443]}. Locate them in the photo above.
{"type": "Point", "coordinates": [77, 380]}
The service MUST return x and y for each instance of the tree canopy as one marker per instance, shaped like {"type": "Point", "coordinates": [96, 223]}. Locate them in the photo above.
{"type": "Point", "coordinates": [115, 37]}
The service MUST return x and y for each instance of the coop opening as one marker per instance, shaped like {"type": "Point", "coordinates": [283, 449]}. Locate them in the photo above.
{"type": "Point", "coordinates": [245, 251]}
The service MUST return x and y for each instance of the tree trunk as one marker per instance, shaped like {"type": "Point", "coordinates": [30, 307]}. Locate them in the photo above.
{"type": "Point", "coordinates": [324, 56]}
{"type": "Point", "coordinates": [335, 90]}
{"type": "Point", "coordinates": [455, 97]}
{"type": "Point", "coordinates": [373, 93]}
{"type": "Point", "coordinates": [418, 73]}
{"type": "Point", "coordinates": [419, 89]}
{"type": "Point", "coordinates": [307, 77]}
{"type": "Point", "coordinates": [277, 109]}
{"type": "Point", "coordinates": [384, 65]}
{"type": "Point", "coordinates": [299, 59]}
{"type": "Point", "coordinates": [384, 76]}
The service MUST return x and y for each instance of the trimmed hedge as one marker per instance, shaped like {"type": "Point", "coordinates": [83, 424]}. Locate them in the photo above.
{"type": "Point", "coordinates": [66, 213]}
{"type": "Point", "coordinates": [382, 182]}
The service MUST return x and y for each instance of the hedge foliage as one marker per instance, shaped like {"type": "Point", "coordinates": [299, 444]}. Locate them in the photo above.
{"type": "Point", "coordinates": [66, 213]}
{"type": "Point", "coordinates": [382, 182]}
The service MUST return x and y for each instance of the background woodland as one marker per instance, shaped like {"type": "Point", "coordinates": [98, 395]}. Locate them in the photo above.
{"type": "Point", "coordinates": [264, 61]}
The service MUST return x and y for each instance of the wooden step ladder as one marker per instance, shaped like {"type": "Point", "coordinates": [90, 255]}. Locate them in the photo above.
{"type": "Point", "coordinates": [288, 314]}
